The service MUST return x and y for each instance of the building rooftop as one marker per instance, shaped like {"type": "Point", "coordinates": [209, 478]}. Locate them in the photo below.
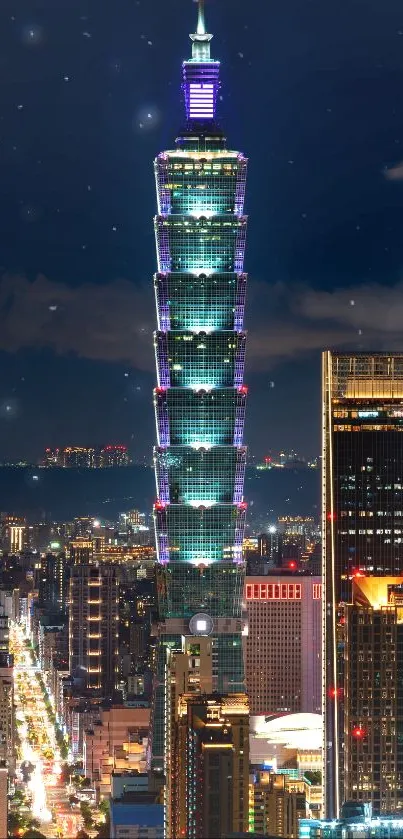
{"type": "Point", "coordinates": [144, 815]}
{"type": "Point", "coordinates": [385, 827]}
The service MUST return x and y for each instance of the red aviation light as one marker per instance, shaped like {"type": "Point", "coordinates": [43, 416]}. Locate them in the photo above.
{"type": "Point", "coordinates": [160, 389]}
{"type": "Point", "coordinates": [292, 565]}
{"type": "Point", "coordinates": [243, 390]}
{"type": "Point", "coordinates": [331, 516]}
{"type": "Point", "coordinates": [358, 732]}
{"type": "Point", "coordinates": [159, 505]}
{"type": "Point", "coordinates": [243, 505]}
{"type": "Point", "coordinates": [335, 693]}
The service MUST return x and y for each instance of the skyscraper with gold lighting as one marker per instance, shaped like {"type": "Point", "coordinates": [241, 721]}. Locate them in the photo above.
{"type": "Point", "coordinates": [363, 539]}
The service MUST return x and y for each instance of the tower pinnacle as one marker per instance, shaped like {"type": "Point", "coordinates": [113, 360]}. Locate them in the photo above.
{"type": "Point", "coordinates": [201, 39]}
{"type": "Point", "coordinates": [201, 26]}
{"type": "Point", "coordinates": [201, 74]}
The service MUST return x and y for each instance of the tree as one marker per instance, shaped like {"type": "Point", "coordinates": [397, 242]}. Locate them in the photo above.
{"type": "Point", "coordinates": [104, 806]}
{"type": "Point", "coordinates": [86, 814]}
{"type": "Point", "coordinates": [313, 776]}
{"type": "Point", "coordinates": [33, 834]}
{"type": "Point", "coordinates": [104, 830]}
{"type": "Point", "coordinates": [63, 750]}
{"type": "Point", "coordinates": [34, 824]}
{"type": "Point", "coordinates": [18, 797]}
{"type": "Point", "coordinates": [14, 823]}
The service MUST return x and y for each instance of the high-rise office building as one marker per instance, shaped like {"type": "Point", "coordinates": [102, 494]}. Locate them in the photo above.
{"type": "Point", "coordinates": [270, 547]}
{"type": "Point", "coordinates": [112, 456]}
{"type": "Point", "coordinates": [200, 398]}
{"type": "Point", "coordinates": [87, 457]}
{"type": "Point", "coordinates": [362, 514]}
{"type": "Point", "coordinates": [74, 457]}
{"type": "Point", "coordinates": [283, 667]}
{"type": "Point", "coordinates": [81, 552]}
{"type": "Point", "coordinates": [211, 765]}
{"type": "Point", "coordinates": [373, 694]}
{"type": "Point", "coordinates": [189, 671]}
{"type": "Point", "coordinates": [278, 802]}
{"type": "Point", "coordinates": [54, 582]}
{"type": "Point", "coordinates": [13, 533]}
{"type": "Point", "coordinates": [93, 627]}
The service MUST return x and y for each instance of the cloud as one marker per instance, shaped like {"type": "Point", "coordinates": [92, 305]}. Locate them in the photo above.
{"type": "Point", "coordinates": [107, 322]}
{"type": "Point", "coordinates": [114, 322]}
{"type": "Point", "coordinates": [287, 321]}
{"type": "Point", "coordinates": [395, 173]}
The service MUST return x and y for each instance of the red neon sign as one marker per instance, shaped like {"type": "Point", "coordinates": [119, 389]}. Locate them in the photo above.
{"type": "Point", "coordinates": [317, 591]}
{"type": "Point", "coordinates": [273, 591]}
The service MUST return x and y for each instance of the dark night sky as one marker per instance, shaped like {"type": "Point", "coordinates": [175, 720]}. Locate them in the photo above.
{"type": "Point", "coordinates": [89, 93]}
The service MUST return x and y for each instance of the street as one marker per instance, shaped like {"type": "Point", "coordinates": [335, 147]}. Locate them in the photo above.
{"type": "Point", "coordinates": [39, 766]}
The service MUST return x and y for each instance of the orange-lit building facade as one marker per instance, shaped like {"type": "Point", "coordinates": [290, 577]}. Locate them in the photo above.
{"type": "Point", "coordinates": [362, 493]}
{"type": "Point", "coordinates": [373, 693]}
{"type": "Point", "coordinates": [93, 627]}
{"type": "Point", "coordinates": [86, 457]}
{"type": "Point", "coordinates": [116, 742]}
{"type": "Point", "coordinates": [212, 765]}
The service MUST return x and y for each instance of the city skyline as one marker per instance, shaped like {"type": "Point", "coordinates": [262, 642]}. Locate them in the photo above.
{"type": "Point", "coordinates": [217, 652]}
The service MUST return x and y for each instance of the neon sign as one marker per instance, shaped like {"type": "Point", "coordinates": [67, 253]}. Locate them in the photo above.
{"type": "Point", "coordinates": [273, 591]}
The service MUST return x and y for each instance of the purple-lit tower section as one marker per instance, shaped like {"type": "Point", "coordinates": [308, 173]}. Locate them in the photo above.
{"type": "Point", "coordinates": [200, 396]}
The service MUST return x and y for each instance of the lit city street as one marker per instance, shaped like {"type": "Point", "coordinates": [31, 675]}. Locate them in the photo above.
{"type": "Point", "coordinates": [39, 765]}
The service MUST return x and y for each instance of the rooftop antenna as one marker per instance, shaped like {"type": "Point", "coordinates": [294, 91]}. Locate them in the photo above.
{"type": "Point", "coordinates": [201, 26]}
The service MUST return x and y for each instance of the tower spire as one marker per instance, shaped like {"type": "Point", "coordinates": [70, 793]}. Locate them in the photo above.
{"type": "Point", "coordinates": [201, 74]}
{"type": "Point", "coordinates": [201, 26]}
{"type": "Point", "coordinates": [201, 39]}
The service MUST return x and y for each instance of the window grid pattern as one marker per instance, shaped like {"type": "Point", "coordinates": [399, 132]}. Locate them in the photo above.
{"type": "Point", "coordinates": [362, 508]}
{"type": "Point", "coordinates": [198, 184]}
{"type": "Point", "coordinates": [187, 476]}
{"type": "Point", "coordinates": [200, 360]}
{"type": "Point", "coordinates": [200, 302]}
{"type": "Point", "coordinates": [200, 418]}
{"type": "Point", "coordinates": [200, 244]}
{"type": "Point", "coordinates": [373, 764]}
{"type": "Point", "coordinates": [199, 535]}
{"type": "Point", "coordinates": [379, 375]}
{"type": "Point", "coordinates": [183, 588]}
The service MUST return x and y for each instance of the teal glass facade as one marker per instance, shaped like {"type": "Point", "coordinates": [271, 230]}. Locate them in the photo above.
{"type": "Point", "coordinates": [200, 398]}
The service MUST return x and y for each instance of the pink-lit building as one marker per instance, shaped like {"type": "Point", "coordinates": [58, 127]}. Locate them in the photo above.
{"type": "Point", "coordinates": [283, 643]}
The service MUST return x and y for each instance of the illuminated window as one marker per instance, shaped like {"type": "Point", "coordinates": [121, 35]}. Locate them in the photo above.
{"type": "Point", "coordinates": [273, 591]}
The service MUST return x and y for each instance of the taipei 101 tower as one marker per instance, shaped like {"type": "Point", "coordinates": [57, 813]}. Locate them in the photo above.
{"type": "Point", "coordinates": [200, 396]}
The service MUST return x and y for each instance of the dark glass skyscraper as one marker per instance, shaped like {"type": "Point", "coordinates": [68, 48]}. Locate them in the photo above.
{"type": "Point", "coordinates": [363, 538]}
{"type": "Point", "coordinates": [200, 398]}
